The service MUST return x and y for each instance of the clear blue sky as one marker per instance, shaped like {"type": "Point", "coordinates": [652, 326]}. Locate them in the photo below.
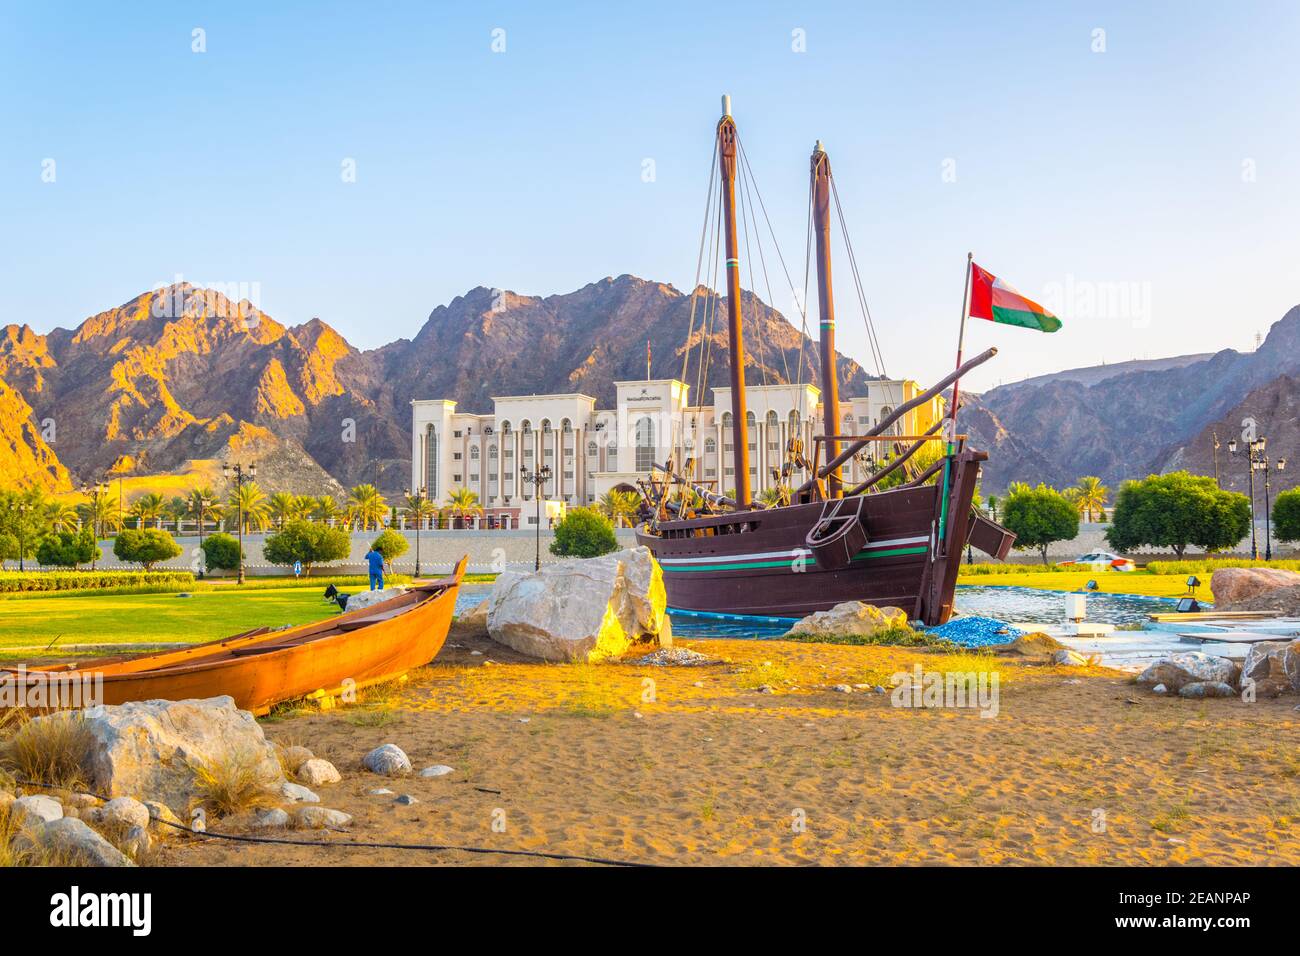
{"type": "Point", "coordinates": [1164, 167]}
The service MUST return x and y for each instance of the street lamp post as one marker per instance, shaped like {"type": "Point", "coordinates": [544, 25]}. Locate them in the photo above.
{"type": "Point", "coordinates": [1268, 507]}
{"type": "Point", "coordinates": [22, 510]}
{"type": "Point", "coordinates": [538, 479]}
{"type": "Point", "coordinates": [94, 493]}
{"type": "Point", "coordinates": [419, 496]}
{"type": "Point", "coordinates": [1255, 459]}
{"type": "Point", "coordinates": [237, 472]}
{"type": "Point", "coordinates": [1216, 459]}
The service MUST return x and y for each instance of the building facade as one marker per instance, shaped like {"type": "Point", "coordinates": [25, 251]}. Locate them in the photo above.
{"type": "Point", "coordinates": [592, 451]}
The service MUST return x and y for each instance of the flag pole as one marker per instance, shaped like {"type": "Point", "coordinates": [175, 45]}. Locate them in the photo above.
{"type": "Point", "coordinates": [961, 334]}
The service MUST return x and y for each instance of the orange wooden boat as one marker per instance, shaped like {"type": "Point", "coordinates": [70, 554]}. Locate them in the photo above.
{"type": "Point", "coordinates": [264, 667]}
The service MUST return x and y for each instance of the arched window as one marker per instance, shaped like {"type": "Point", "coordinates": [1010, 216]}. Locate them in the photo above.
{"type": "Point", "coordinates": [645, 444]}
{"type": "Point", "coordinates": [526, 427]}
{"type": "Point", "coordinates": [795, 423]}
{"type": "Point", "coordinates": [505, 428]}
{"type": "Point", "coordinates": [592, 450]}
{"type": "Point", "coordinates": [473, 452]}
{"type": "Point", "coordinates": [726, 419]}
{"type": "Point", "coordinates": [710, 446]}
{"type": "Point", "coordinates": [546, 425]}
{"type": "Point", "coordinates": [772, 420]}
{"type": "Point", "coordinates": [492, 451]}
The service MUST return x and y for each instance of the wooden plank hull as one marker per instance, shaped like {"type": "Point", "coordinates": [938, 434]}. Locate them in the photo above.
{"type": "Point", "coordinates": [756, 562]}
{"type": "Point", "coordinates": [260, 670]}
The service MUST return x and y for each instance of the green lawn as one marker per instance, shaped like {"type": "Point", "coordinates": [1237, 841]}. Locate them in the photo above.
{"type": "Point", "coordinates": [1120, 582]}
{"type": "Point", "coordinates": [131, 618]}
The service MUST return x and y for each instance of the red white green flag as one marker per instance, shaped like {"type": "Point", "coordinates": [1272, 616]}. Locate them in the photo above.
{"type": "Point", "coordinates": [996, 301]}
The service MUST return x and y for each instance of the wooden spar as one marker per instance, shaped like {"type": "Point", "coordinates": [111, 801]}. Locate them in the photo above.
{"type": "Point", "coordinates": [961, 332]}
{"type": "Point", "coordinates": [821, 175]}
{"type": "Point", "coordinates": [857, 445]}
{"type": "Point", "coordinates": [897, 462]}
{"type": "Point", "coordinates": [727, 158]}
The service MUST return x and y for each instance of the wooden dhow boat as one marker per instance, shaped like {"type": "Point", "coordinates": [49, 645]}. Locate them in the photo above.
{"type": "Point", "coordinates": [264, 667]}
{"type": "Point", "coordinates": [822, 543]}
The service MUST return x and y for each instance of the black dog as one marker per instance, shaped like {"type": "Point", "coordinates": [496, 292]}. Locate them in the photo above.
{"type": "Point", "coordinates": [338, 597]}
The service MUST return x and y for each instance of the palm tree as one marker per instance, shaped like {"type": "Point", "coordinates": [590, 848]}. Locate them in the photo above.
{"type": "Point", "coordinates": [252, 500]}
{"type": "Point", "coordinates": [418, 508]}
{"type": "Point", "coordinates": [1017, 487]}
{"type": "Point", "coordinates": [148, 507]}
{"type": "Point", "coordinates": [620, 506]}
{"type": "Point", "coordinates": [303, 506]}
{"type": "Point", "coordinates": [463, 503]}
{"type": "Point", "coordinates": [367, 505]}
{"type": "Point", "coordinates": [100, 514]}
{"type": "Point", "coordinates": [772, 497]}
{"type": "Point", "coordinates": [1090, 497]}
{"type": "Point", "coordinates": [203, 505]}
{"type": "Point", "coordinates": [61, 516]}
{"type": "Point", "coordinates": [326, 509]}
{"type": "Point", "coordinates": [281, 507]}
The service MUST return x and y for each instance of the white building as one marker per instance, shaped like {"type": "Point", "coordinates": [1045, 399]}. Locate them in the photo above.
{"type": "Point", "coordinates": [592, 451]}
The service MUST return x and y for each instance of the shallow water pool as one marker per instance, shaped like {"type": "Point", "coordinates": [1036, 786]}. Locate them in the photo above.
{"type": "Point", "coordinates": [1001, 603]}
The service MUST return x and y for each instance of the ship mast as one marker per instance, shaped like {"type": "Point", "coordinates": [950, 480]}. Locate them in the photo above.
{"type": "Point", "coordinates": [727, 147]}
{"type": "Point", "coordinates": [821, 176]}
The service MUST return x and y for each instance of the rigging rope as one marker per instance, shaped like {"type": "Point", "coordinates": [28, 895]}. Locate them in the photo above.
{"type": "Point", "coordinates": [699, 261]}
{"type": "Point", "coordinates": [872, 341]}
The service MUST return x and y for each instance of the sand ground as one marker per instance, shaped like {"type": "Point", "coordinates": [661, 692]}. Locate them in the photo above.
{"type": "Point", "coordinates": [700, 767]}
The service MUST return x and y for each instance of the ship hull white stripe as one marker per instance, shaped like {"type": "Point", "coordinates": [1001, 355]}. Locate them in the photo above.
{"type": "Point", "coordinates": [792, 553]}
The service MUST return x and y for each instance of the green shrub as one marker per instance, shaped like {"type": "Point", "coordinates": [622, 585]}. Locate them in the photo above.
{"type": "Point", "coordinates": [307, 542]}
{"type": "Point", "coordinates": [1286, 515]}
{"type": "Point", "coordinates": [67, 549]}
{"type": "Point", "coordinates": [13, 582]}
{"type": "Point", "coordinates": [221, 552]}
{"type": "Point", "coordinates": [391, 545]}
{"type": "Point", "coordinates": [1040, 516]}
{"type": "Point", "coordinates": [1175, 511]}
{"type": "Point", "coordinates": [1210, 565]}
{"type": "Point", "coordinates": [584, 533]}
{"type": "Point", "coordinates": [145, 547]}
{"type": "Point", "coordinates": [976, 570]}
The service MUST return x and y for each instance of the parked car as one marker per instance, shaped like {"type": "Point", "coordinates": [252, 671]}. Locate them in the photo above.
{"type": "Point", "coordinates": [1101, 561]}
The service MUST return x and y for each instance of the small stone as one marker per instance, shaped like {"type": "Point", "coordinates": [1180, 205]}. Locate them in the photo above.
{"type": "Point", "coordinates": [36, 809]}
{"type": "Point", "coordinates": [317, 772]}
{"type": "Point", "coordinates": [389, 760]}
{"type": "Point", "coordinates": [406, 800]}
{"type": "Point", "coordinates": [638, 715]}
{"type": "Point", "coordinates": [82, 800]}
{"type": "Point", "coordinates": [123, 811]}
{"type": "Point", "coordinates": [476, 653]}
{"type": "Point", "coordinates": [380, 792]}
{"type": "Point", "coordinates": [271, 819]}
{"type": "Point", "coordinates": [1160, 689]}
{"type": "Point", "coordinates": [766, 689]}
{"type": "Point", "coordinates": [698, 683]}
{"type": "Point", "coordinates": [524, 720]}
{"type": "Point", "coordinates": [162, 814]}
{"type": "Point", "coordinates": [842, 689]}
{"type": "Point", "coordinates": [880, 690]}
{"type": "Point", "coordinates": [1202, 689]}
{"type": "Point", "coordinates": [437, 770]}
{"type": "Point", "coordinates": [318, 818]}
{"type": "Point", "coordinates": [137, 843]}
{"type": "Point", "coordinates": [862, 687]}
{"type": "Point", "coordinates": [294, 757]}
{"type": "Point", "coordinates": [1068, 658]}
{"type": "Point", "coordinates": [296, 793]}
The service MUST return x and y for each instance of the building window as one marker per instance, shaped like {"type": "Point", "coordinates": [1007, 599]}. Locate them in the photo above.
{"type": "Point", "coordinates": [492, 451]}
{"type": "Point", "coordinates": [473, 477]}
{"type": "Point", "coordinates": [568, 476]}
{"type": "Point", "coordinates": [528, 453]}
{"type": "Point", "coordinates": [710, 472]}
{"type": "Point", "coordinates": [710, 446]}
{"type": "Point", "coordinates": [473, 453]}
{"type": "Point", "coordinates": [592, 450]}
{"type": "Point", "coordinates": [455, 456]}
{"type": "Point", "coordinates": [456, 478]}
{"type": "Point", "coordinates": [455, 434]}
{"type": "Point", "coordinates": [548, 452]}
{"type": "Point", "coordinates": [645, 444]}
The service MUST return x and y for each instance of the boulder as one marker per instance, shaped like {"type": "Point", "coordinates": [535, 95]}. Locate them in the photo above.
{"type": "Point", "coordinates": [150, 749]}
{"type": "Point", "coordinates": [71, 838]}
{"type": "Point", "coordinates": [850, 619]}
{"type": "Point", "coordinates": [580, 610]}
{"type": "Point", "coordinates": [473, 623]}
{"type": "Point", "coordinates": [1068, 658]}
{"type": "Point", "coordinates": [1207, 688]}
{"type": "Point", "coordinates": [1038, 645]}
{"type": "Point", "coordinates": [136, 843]}
{"type": "Point", "coordinates": [437, 770]}
{"type": "Point", "coordinates": [1231, 586]}
{"type": "Point", "coordinates": [1178, 670]}
{"type": "Point", "coordinates": [36, 810]}
{"type": "Point", "coordinates": [162, 814]}
{"type": "Point", "coordinates": [317, 818]}
{"type": "Point", "coordinates": [390, 760]}
{"type": "Point", "coordinates": [317, 773]}
{"type": "Point", "coordinates": [120, 811]}
{"type": "Point", "coordinates": [1260, 658]}
{"type": "Point", "coordinates": [364, 599]}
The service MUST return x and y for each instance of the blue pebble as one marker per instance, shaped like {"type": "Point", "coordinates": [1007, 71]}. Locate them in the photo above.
{"type": "Point", "coordinates": [975, 632]}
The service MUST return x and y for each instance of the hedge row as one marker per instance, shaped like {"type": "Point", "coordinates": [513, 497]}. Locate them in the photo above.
{"type": "Point", "coordinates": [977, 569]}
{"type": "Point", "coordinates": [1210, 565]}
{"type": "Point", "coordinates": [12, 582]}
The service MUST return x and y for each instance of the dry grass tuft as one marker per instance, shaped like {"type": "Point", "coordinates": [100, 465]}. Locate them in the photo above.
{"type": "Point", "coordinates": [233, 784]}
{"type": "Point", "coordinates": [53, 750]}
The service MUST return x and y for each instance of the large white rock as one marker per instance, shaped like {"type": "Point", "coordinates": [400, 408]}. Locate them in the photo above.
{"type": "Point", "coordinates": [36, 810]}
{"type": "Point", "coordinates": [1194, 667]}
{"type": "Point", "coordinates": [850, 619]}
{"type": "Point", "coordinates": [581, 610]}
{"type": "Point", "coordinates": [365, 599]}
{"type": "Point", "coordinates": [388, 759]}
{"type": "Point", "coordinates": [317, 772]}
{"type": "Point", "coordinates": [149, 749]}
{"type": "Point", "coordinates": [69, 837]}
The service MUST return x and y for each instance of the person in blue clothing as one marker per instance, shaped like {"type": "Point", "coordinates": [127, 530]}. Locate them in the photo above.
{"type": "Point", "coordinates": [376, 562]}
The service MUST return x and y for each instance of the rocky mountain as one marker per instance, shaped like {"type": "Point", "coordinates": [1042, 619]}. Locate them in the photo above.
{"type": "Point", "coordinates": [183, 374]}
{"type": "Point", "coordinates": [1154, 417]}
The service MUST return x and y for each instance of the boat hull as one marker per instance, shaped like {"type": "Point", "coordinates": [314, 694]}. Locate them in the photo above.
{"type": "Point", "coordinates": [757, 563]}
{"type": "Point", "coordinates": [350, 651]}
